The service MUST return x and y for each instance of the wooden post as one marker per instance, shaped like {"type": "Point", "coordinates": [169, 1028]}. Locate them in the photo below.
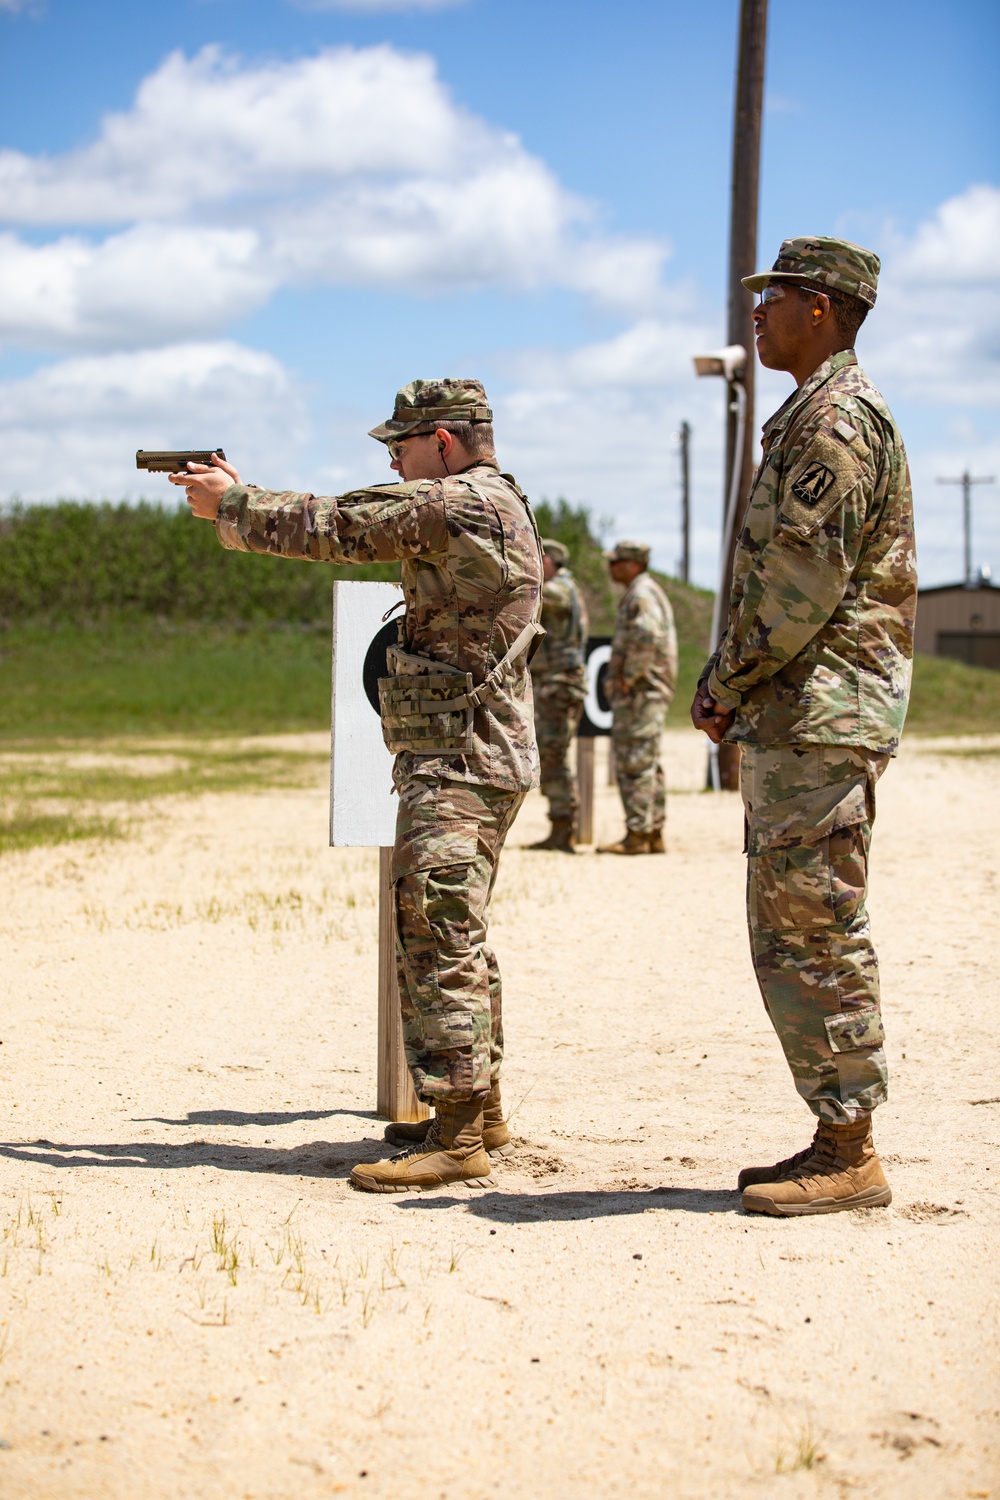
{"type": "Point", "coordinates": [685, 442]}
{"type": "Point", "coordinates": [742, 262]}
{"type": "Point", "coordinates": [585, 788]}
{"type": "Point", "coordinates": [396, 1099]}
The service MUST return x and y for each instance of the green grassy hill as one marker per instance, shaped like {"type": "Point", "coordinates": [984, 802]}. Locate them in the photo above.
{"type": "Point", "coordinates": [119, 620]}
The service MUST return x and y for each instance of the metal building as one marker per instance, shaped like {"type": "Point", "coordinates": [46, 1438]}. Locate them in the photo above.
{"type": "Point", "coordinates": [961, 621]}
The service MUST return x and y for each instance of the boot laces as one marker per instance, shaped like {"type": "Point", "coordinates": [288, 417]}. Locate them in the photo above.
{"type": "Point", "coordinates": [430, 1143]}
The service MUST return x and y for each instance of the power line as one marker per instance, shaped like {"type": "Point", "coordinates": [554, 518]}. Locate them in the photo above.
{"type": "Point", "coordinates": [966, 480]}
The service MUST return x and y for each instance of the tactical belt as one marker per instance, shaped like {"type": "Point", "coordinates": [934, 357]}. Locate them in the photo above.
{"type": "Point", "coordinates": [428, 707]}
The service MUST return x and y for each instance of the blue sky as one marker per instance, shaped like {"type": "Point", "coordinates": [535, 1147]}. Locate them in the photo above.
{"type": "Point", "coordinates": [255, 244]}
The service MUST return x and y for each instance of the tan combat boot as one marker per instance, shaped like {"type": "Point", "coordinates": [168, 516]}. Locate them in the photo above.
{"type": "Point", "coordinates": [451, 1152]}
{"type": "Point", "coordinates": [561, 837]}
{"type": "Point", "coordinates": [750, 1176]}
{"type": "Point", "coordinates": [655, 843]}
{"type": "Point", "coordinates": [841, 1171]}
{"type": "Point", "coordinates": [632, 843]}
{"type": "Point", "coordinates": [496, 1136]}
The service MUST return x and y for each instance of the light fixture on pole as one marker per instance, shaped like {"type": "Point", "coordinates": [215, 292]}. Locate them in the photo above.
{"type": "Point", "coordinates": [731, 363]}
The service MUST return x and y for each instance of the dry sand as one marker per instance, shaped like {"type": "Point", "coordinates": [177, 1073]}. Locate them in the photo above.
{"type": "Point", "coordinates": [195, 1303]}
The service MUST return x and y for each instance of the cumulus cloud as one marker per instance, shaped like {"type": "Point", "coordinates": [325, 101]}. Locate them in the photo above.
{"type": "Point", "coordinates": [596, 422]}
{"type": "Point", "coordinates": [72, 428]}
{"type": "Point", "coordinates": [350, 167]}
{"type": "Point", "coordinates": [149, 284]}
{"type": "Point", "coordinates": [934, 335]}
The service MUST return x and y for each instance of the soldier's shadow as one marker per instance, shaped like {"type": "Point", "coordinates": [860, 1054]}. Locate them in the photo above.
{"type": "Point", "coordinates": [581, 1203]}
{"type": "Point", "coordinates": [307, 1159]}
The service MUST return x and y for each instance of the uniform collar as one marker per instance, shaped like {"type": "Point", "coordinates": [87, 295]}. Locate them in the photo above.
{"type": "Point", "coordinates": [819, 377]}
{"type": "Point", "coordinates": [477, 463]}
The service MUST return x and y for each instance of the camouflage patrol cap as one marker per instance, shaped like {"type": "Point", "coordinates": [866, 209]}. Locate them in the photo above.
{"type": "Point", "coordinates": [836, 264]}
{"type": "Point", "coordinates": [422, 403]}
{"type": "Point", "coordinates": [558, 553]}
{"type": "Point", "coordinates": [629, 552]}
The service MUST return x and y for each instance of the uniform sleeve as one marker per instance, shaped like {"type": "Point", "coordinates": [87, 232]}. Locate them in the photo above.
{"type": "Point", "coordinates": [557, 606]}
{"type": "Point", "coordinates": [801, 575]}
{"type": "Point", "coordinates": [642, 642]}
{"type": "Point", "coordinates": [401, 521]}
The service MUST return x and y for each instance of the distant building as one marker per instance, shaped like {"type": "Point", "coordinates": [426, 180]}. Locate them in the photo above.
{"type": "Point", "coordinates": [961, 621]}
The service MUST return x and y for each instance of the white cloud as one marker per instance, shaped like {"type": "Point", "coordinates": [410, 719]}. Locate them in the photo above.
{"type": "Point", "coordinates": [350, 167]}
{"type": "Point", "coordinates": [934, 335]}
{"type": "Point", "coordinates": [149, 284]}
{"type": "Point", "coordinates": [22, 7]}
{"type": "Point", "coordinates": [72, 428]}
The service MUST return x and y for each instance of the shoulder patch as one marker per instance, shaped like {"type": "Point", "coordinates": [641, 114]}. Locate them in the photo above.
{"type": "Point", "coordinates": [813, 482]}
{"type": "Point", "coordinates": [824, 473]}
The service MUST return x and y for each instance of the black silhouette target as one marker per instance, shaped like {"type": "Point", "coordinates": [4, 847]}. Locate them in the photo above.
{"type": "Point", "coordinates": [598, 660]}
{"type": "Point", "coordinates": [375, 663]}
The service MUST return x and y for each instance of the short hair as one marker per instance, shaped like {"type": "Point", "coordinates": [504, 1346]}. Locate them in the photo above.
{"type": "Point", "coordinates": [848, 312]}
{"type": "Point", "coordinates": [475, 437]}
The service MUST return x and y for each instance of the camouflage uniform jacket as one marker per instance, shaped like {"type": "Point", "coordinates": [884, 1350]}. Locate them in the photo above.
{"type": "Point", "coordinates": [644, 645]}
{"type": "Point", "coordinates": [472, 574]}
{"type": "Point", "coordinates": [561, 655]}
{"type": "Point", "coordinates": [820, 637]}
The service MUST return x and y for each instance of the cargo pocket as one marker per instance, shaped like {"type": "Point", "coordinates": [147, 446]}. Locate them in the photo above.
{"type": "Point", "coordinates": [430, 871]}
{"type": "Point", "coordinates": [850, 1030]}
{"type": "Point", "coordinates": [438, 845]}
{"type": "Point", "coordinates": [808, 859]}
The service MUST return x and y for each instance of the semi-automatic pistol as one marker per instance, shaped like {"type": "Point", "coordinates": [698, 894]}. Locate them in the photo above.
{"type": "Point", "coordinates": [174, 463]}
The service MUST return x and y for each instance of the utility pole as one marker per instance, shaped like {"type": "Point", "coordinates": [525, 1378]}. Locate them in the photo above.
{"type": "Point", "coordinates": [685, 441]}
{"type": "Point", "coordinates": [967, 481]}
{"type": "Point", "coordinates": [742, 262]}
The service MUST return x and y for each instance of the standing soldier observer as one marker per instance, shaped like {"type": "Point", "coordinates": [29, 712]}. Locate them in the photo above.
{"type": "Point", "coordinates": [559, 684]}
{"type": "Point", "coordinates": [456, 710]}
{"type": "Point", "coordinates": [640, 682]}
{"type": "Point", "coordinates": [812, 678]}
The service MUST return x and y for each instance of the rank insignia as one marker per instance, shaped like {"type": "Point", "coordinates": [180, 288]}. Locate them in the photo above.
{"type": "Point", "coordinates": [813, 482]}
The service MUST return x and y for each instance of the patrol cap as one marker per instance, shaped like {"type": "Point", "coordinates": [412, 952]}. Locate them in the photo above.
{"type": "Point", "coordinates": [425, 402]}
{"type": "Point", "coordinates": [629, 552]}
{"type": "Point", "coordinates": [836, 264]}
{"type": "Point", "coordinates": [558, 553]}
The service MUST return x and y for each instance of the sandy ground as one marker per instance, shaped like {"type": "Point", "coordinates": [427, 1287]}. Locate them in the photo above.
{"type": "Point", "coordinates": [193, 1302]}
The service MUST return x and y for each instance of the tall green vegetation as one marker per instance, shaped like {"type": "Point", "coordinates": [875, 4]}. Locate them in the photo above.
{"type": "Point", "coordinates": [118, 619]}
{"type": "Point", "coordinates": [74, 562]}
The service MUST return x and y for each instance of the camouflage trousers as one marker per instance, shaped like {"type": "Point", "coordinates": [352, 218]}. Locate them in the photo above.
{"type": "Point", "coordinates": [557, 714]}
{"type": "Point", "coordinates": [444, 862]}
{"type": "Point", "coordinates": [636, 727]}
{"type": "Point", "coordinates": [809, 812]}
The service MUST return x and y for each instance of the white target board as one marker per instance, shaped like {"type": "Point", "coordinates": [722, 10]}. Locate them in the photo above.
{"type": "Point", "coordinates": [595, 719]}
{"type": "Point", "coordinates": [362, 803]}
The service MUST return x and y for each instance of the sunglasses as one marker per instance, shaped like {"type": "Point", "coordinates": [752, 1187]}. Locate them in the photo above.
{"type": "Point", "coordinates": [777, 290]}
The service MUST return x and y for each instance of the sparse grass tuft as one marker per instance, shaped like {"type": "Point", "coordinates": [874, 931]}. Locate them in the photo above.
{"type": "Point", "coordinates": [803, 1452]}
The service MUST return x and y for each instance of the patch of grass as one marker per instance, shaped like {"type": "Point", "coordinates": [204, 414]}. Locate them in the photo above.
{"type": "Point", "coordinates": [61, 795]}
{"type": "Point", "coordinates": [802, 1453]}
{"type": "Point", "coordinates": [130, 676]}
{"type": "Point", "coordinates": [950, 698]}
{"type": "Point", "coordinates": [129, 774]}
{"type": "Point", "coordinates": [29, 829]}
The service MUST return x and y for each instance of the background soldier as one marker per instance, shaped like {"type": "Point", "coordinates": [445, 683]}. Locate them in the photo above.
{"type": "Point", "coordinates": [559, 683]}
{"type": "Point", "coordinates": [472, 577]}
{"type": "Point", "coordinates": [641, 678]}
{"type": "Point", "coordinates": [812, 678]}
